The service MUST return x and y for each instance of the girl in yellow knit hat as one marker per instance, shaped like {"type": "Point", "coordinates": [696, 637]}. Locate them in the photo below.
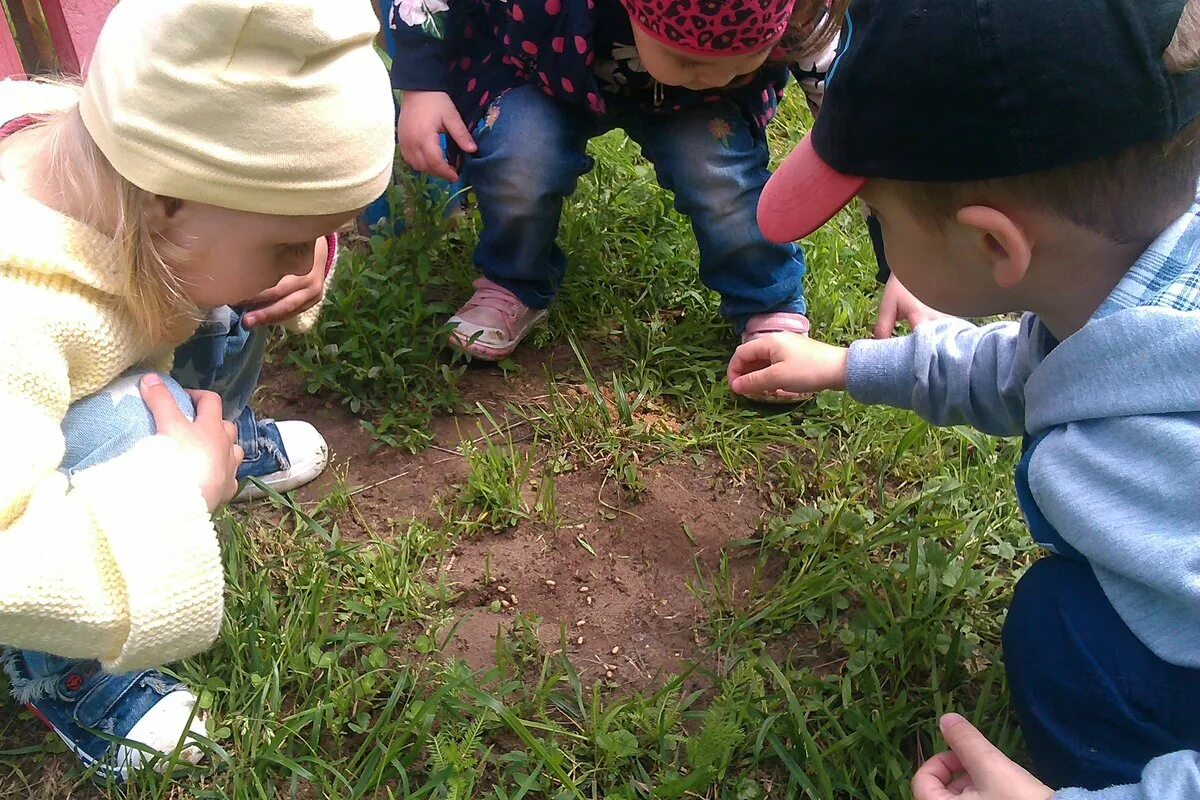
{"type": "Point", "coordinates": [213, 150]}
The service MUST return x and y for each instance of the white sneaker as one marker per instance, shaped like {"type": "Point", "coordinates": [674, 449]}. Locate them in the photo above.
{"type": "Point", "coordinates": [161, 730]}
{"type": "Point", "coordinates": [306, 451]}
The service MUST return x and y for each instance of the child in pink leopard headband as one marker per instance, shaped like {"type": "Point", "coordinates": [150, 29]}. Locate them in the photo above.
{"type": "Point", "coordinates": [520, 86]}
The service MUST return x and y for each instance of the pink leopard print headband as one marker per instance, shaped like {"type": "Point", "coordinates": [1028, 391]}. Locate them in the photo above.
{"type": "Point", "coordinates": [713, 27]}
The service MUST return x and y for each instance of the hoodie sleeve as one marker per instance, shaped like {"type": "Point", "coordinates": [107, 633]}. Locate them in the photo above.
{"type": "Point", "coordinates": [1175, 776]}
{"type": "Point", "coordinates": [949, 372]}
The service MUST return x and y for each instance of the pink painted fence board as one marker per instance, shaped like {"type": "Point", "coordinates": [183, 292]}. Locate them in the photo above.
{"type": "Point", "coordinates": [10, 57]}
{"type": "Point", "coordinates": [74, 27]}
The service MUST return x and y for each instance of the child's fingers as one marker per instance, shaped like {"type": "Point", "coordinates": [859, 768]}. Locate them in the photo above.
{"type": "Point", "coordinates": [974, 751]}
{"type": "Point", "coordinates": [162, 405]}
{"type": "Point", "coordinates": [889, 312]}
{"type": "Point", "coordinates": [208, 406]}
{"type": "Point", "coordinates": [760, 381]}
{"type": "Point", "coordinates": [457, 130]}
{"type": "Point", "coordinates": [935, 776]}
{"type": "Point", "coordinates": [751, 355]}
{"type": "Point", "coordinates": [286, 285]}
{"type": "Point", "coordinates": [435, 161]}
{"type": "Point", "coordinates": [295, 303]}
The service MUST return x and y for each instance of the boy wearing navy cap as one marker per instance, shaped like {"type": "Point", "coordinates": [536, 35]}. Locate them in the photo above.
{"type": "Point", "coordinates": [1043, 157]}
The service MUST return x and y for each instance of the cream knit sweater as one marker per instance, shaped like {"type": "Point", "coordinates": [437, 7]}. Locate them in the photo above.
{"type": "Point", "coordinates": [120, 563]}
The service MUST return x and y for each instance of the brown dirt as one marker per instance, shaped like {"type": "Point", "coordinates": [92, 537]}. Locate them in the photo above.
{"type": "Point", "coordinates": [639, 599]}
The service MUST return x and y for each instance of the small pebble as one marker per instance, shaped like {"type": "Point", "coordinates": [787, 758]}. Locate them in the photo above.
{"type": "Point", "coordinates": [505, 604]}
{"type": "Point", "coordinates": [616, 650]}
{"type": "Point", "coordinates": [502, 589]}
{"type": "Point", "coordinates": [579, 640]}
{"type": "Point", "coordinates": [608, 675]}
{"type": "Point", "coordinates": [589, 599]}
{"type": "Point", "coordinates": [552, 584]}
{"type": "Point", "coordinates": [581, 623]}
{"type": "Point", "coordinates": [513, 599]}
{"type": "Point", "coordinates": [584, 590]}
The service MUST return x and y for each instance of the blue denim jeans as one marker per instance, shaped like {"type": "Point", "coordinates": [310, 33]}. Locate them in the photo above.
{"type": "Point", "coordinates": [226, 357]}
{"type": "Point", "coordinates": [532, 154]}
{"type": "Point", "coordinates": [1095, 704]}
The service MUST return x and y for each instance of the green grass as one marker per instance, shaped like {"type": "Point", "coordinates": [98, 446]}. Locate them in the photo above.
{"type": "Point", "coordinates": [892, 546]}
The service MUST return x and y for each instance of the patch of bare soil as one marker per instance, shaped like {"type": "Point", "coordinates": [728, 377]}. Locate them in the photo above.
{"type": "Point", "coordinates": [611, 582]}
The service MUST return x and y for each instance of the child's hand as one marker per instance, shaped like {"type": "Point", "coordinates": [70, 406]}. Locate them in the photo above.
{"type": "Point", "coordinates": [786, 362]}
{"type": "Point", "coordinates": [899, 304]}
{"type": "Point", "coordinates": [973, 769]}
{"type": "Point", "coordinates": [423, 117]}
{"type": "Point", "coordinates": [293, 295]}
{"type": "Point", "coordinates": [209, 444]}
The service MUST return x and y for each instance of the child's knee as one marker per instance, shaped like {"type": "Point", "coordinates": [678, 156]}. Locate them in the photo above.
{"type": "Point", "coordinates": [104, 425]}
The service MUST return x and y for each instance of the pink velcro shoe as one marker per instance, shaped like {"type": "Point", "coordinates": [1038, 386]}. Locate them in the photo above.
{"type": "Point", "coordinates": [493, 322]}
{"type": "Point", "coordinates": [778, 322]}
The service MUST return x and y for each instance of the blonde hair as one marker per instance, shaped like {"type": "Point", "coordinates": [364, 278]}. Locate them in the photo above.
{"type": "Point", "coordinates": [95, 194]}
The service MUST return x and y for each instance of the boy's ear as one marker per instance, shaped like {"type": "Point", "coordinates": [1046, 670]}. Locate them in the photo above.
{"type": "Point", "coordinates": [1003, 241]}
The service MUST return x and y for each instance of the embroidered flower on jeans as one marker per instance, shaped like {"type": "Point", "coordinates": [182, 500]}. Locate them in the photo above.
{"type": "Point", "coordinates": [720, 130]}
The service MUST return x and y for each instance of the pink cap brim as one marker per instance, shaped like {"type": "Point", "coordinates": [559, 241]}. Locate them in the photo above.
{"type": "Point", "coordinates": [803, 194]}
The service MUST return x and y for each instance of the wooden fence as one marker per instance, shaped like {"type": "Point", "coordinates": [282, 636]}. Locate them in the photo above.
{"type": "Point", "coordinates": [49, 35]}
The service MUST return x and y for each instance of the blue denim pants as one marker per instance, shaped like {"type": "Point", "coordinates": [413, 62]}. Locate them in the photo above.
{"type": "Point", "coordinates": [532, 154]}
{"type": "Point", "coordinates": [1095, 704]}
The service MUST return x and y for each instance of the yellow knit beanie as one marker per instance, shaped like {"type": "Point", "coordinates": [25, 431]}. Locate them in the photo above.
{"type": "Point", "coordinates": [269, 106]}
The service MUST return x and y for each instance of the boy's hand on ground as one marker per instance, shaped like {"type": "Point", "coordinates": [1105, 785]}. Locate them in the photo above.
{"type": "Point", "coordinates": [973, 769]}
{"type": "Point", "coordinates": [786, 362]}
{"type": "Point", "coordinates": [424, 116]}
{"type": "Point", "coordinates": [209, 443]}
{"type": "Point", "coordinates": [899, 304]}
{"type": "Point", "coordinates": [293, 295]}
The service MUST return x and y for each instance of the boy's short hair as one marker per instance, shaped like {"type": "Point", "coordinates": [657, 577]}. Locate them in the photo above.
{"type": "Point", "coordinates": [1128, 197]}
{"type": "Point", "coordinates": [1089, 111]}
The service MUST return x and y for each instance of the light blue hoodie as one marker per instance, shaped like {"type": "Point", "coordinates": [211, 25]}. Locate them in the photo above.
{"type": "Point", "coordinates": [1112, 464]}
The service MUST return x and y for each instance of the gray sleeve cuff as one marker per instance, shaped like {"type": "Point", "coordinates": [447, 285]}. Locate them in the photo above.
{"type": "Point", "coordinates": [880, 372]}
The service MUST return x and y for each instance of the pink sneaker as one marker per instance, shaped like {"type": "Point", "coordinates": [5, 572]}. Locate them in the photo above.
{"type": "Point", "coordinates": [778, 322]}
{"type": "Point", "coordinates": [493, 322]}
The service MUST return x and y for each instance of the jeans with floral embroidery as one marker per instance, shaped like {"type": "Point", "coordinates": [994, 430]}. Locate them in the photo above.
{"type": "Point", "coordinates": [532, 153]}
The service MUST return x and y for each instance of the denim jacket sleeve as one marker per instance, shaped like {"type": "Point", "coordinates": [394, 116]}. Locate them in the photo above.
{"type": "Point", "coordinates": [1175, 776]}
{"type": "Point", "coordinates": [949, 372]}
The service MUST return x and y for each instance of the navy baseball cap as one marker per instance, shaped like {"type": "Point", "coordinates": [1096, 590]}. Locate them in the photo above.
{"type": "Point", "coordinates": [967, 90]}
